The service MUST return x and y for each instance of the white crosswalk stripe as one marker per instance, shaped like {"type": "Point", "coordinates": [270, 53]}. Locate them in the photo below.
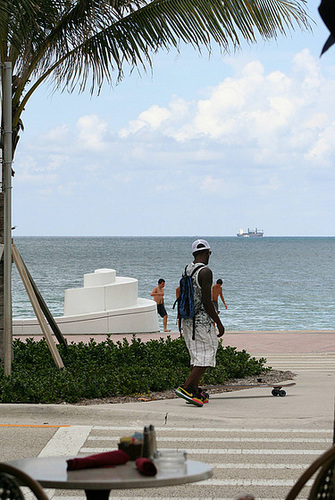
{"type": "Point", "coordinates": [209, 430]}
{"type": "Point", "coordinates": [216, 439]}
{"type": "Point", "coordinates": [227, 451]}
{"type": "Point", "coordinates": [251, 482]}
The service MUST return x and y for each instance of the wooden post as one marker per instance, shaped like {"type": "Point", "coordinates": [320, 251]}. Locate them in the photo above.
{"type": "Point", "coordinates": [36, 306]}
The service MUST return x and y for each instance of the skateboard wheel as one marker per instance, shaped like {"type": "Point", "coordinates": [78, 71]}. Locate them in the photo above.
{"type": "Point", "coordinates": [275, 392]}
{"type": "Point", "coordinates": [282, 393]}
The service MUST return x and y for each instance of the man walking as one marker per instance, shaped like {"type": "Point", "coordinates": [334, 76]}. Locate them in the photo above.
{"type": "Point", "coordinates": [203, 347]}
{"type": "Point", "coordinates": [216, 293]}
{"type": "Point", "coordinates": [158, 296]}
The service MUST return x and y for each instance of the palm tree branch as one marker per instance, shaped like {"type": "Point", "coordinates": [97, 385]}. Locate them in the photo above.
{"type": "Point", "coordinates": [166, 23]}
{"type": "Point", "coordinates": [70, 56]}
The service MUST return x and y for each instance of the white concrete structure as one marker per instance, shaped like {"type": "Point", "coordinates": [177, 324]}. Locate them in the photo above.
{"type": "Point", "coordinates": [106, 304]}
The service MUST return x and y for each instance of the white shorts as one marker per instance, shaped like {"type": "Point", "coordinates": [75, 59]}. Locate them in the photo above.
{"type": "Point", "coordinates": [203, 348]}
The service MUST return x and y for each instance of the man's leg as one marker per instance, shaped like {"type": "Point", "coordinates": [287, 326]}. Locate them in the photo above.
{"type": "Point", "coordinates": [165, 324]}
{"type": "Point", "coordinates": [195, 376]}
{"type": "Point", "coordinates": [190, 389]}
{"type": "Point", "coordinates": [199, 361]}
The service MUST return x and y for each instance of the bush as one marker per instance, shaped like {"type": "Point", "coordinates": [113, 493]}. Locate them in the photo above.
{"type": "Point", "coordinates": [105, 369]}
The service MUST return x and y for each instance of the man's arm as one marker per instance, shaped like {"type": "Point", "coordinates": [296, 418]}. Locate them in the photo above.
{"type": "Point", "coordinates": [157, 292]}
{"type": "Point", "coordinates": [223, 299]}
{"type": "Point", "coordinates": [205, 281]}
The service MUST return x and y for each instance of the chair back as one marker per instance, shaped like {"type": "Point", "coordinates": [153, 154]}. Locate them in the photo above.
{"type": "Point", "coordinates": [12, 478]}
{"type": "Point", "coordinates": [323, 486]}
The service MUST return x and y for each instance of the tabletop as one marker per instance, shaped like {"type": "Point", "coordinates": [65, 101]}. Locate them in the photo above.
{"type": "Point", "coordinates": [51, 472]}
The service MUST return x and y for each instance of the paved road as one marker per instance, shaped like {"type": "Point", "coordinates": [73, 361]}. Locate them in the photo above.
{"type": "Point", "coordinates": [255, 442]}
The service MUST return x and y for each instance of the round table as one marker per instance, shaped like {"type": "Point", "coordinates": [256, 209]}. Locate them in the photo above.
{"type": "Point", "coordinates": [51, 472]}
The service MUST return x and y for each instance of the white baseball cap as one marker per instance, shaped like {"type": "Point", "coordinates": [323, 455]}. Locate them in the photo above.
{"type": "Point", "coordinates": [199, 245]}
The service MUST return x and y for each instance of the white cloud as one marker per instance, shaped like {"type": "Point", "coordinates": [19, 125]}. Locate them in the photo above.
{"type": "Point", "coordinates": [317, 121]}
{"type": "Point", "coordinates": [152, 118]}
{"type": "Point", "coordinates": [31, 171]}
{"type": "Point", "coordinates": [57, 134]}
{"type": "Point", "coordinates": [274, 116]}
{"type": "Point", "coordinates": [266, 118]}
{"type": "Point", "coordinates": [307, 70]}
{"type": "Point", "coordinates": [322, 150]}
{"type": "Point", "coordinates": [92, 133]}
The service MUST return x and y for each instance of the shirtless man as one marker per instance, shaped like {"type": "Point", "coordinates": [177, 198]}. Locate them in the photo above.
{"type": "Point", "coordinates": [216, 293]}
{"type": "Point", "coordinates": [158, 296]}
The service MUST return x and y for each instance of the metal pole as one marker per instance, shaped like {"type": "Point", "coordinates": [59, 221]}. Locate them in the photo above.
{"type": "Point", "coordinates": [7, 188]}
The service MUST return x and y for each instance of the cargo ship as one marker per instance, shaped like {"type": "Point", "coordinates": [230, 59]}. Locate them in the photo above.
{"type": "Point", "coordinates": [258, 233]}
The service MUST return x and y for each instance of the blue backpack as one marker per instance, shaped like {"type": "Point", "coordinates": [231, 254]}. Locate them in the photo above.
{"type": "Point", "coordinates": [186, 299]}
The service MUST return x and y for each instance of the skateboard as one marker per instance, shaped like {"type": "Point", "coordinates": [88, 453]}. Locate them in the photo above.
{"type": "Point", "coordinates": [277, 389]}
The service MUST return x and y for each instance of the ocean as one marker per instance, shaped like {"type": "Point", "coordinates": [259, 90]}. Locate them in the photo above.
{"type": "Point", "coordinates": [270, 283]}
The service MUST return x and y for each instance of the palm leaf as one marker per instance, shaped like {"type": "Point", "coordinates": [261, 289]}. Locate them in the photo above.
{"type": "Point", "coordinates": [133, 38]}
{"type": "Point", "coordinates": [76, 41]}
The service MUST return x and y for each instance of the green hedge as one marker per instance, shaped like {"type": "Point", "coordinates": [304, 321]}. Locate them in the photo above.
{"type": "Point", "coordinates": [105, 369]}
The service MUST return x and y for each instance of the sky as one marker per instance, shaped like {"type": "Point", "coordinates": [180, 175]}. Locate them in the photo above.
{"type": "Point", "coordinates": [200, 146]}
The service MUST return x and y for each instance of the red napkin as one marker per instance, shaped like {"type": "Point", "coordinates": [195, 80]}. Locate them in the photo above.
{"type": "Point", "coordinates": [107, 459]}
{"type": "Point", "coordinates": [146, 466]}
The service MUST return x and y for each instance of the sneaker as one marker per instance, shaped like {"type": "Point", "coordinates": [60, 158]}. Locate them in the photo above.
{"type": "Point", "coordinates": [189, 396]}
{"type": "Point", "coordinates": [183, 393]}
{"type": "Point", "coordinates": [204, 395]}
{"type": "Point", "coordinates": [197, 401]}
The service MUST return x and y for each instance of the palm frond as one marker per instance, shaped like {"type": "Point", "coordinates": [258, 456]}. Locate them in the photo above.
{"type": "Point", "coordinates": [165, 23]}
{"type": "Point", "coordinates": [17, 22]}
{"type": "Point", "coordinates": [74, 41]}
